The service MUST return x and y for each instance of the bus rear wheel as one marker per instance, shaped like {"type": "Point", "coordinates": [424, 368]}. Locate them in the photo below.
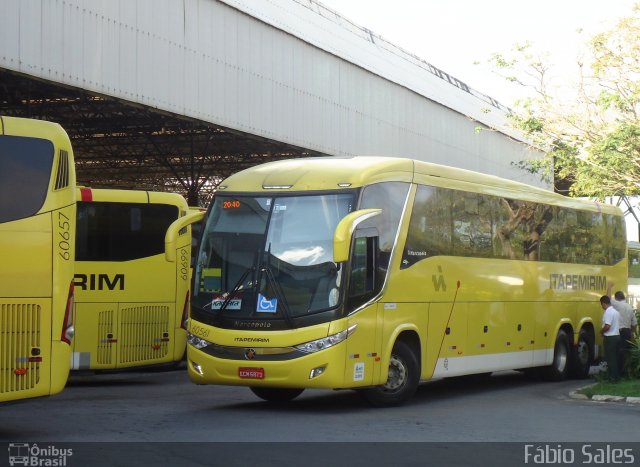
{"type": "Point", "coordinates": [276, 394]}
{"type": "Point", "coordinates": [559, 368]}
{"type": "Point", "coordinates": [402, 381]}
{"type": "Point", "coordinates": [582, 355]}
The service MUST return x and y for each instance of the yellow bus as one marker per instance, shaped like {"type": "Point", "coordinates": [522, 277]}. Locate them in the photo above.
{"type": "Point", "coordinates": [376, 274]}
{"type": "Point", "coordinates": [37, 228]}
{"type": "Point", "coordinates": [633, 291]}
{"type": "Point", "coordinates": [131, 303]}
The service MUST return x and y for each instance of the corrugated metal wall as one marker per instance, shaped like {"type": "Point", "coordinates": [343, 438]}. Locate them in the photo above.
{"type": "Point", "coordinates": [324, 85]}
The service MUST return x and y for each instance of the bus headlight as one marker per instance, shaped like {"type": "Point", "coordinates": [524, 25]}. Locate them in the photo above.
{"type": "Point", "coordinates": [326, 342]}
{"type": "Point", "coordinates": [197, 342]}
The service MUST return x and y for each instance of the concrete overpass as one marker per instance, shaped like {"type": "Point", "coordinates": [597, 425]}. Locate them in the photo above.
{"type": "Point", "coordinates": [175, 95]}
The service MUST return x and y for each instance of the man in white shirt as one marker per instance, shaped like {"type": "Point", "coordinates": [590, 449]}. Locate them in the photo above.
{"type": "Point", "coordinates": [611, 335]}
{"type": "Point", "coordinates": [627, 324]}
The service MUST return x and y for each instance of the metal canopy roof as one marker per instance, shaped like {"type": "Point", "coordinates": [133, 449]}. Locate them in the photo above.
{"type": "Point", "coordinates": [118, 144]}
{"type": "Point", "coordinates": [181, 95]}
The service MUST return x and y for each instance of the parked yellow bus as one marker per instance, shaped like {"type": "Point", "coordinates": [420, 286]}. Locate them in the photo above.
{"type": "Point", "coordinates": [131, 303]}
{"type": "Point", "coordinates": [37, 228]}
{"type": "Point", "coordinates": [376, 274]}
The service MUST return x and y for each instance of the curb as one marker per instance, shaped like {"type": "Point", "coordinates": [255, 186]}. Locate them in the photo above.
{"type": "Point", "coordinates": [604, 398]}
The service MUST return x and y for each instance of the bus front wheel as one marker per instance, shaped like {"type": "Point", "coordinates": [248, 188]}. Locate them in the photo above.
{"type": "Point", "coordinates": [276, 394]}
{"type": "Point", "coordinates": [559, 368]}
{"type": "Point", "coordinates": [402, 380]}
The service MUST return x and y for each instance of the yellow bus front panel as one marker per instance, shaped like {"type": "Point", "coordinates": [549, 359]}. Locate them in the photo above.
{"type": "Point", "coordinates": [250, 358]}
{"type": "Point", "coordinates": [207, 369]}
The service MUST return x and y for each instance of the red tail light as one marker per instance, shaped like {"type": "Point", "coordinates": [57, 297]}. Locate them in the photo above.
{"type": "Point", "coordinates": [67, 324]}
{"type": "Point", "coordinates": [185, 312]}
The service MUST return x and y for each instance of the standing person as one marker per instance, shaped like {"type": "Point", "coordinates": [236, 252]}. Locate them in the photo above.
{"type": "Point", "coordinates": [627, 324]}
{"type": "Point", "coordinates": [611, 336]}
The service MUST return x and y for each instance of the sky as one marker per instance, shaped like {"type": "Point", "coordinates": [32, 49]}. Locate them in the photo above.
{"type": "Point", "coordinates": [454, 34]}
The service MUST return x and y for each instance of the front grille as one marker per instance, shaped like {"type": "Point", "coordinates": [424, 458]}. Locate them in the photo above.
{"type": "Point", "coordinates": [261, 354]}
{"type": "Point", "coordinates": [144, 333]}
{"type": "Point", "coordinates": [19, 341]}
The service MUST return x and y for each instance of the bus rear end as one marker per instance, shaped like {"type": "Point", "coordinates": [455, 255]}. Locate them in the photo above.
{"type": "Point", "coordinates": [130, 301]}
{"type": "Point", "coordinates": [37, 228]}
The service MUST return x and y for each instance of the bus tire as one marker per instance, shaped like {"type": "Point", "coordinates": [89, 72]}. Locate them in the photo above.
{"type": "Point", "coordinates": [276, 394]}
{"type": "Point", "coordinates": [582, 355]}
{"type": "Point", "coordinates": [559, 368]}
{"type": "Point", "coordinates": [402, 381]}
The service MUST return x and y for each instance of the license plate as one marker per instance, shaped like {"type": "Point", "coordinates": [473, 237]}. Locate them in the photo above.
{"type": "Point", "coordinates": [251, 373]}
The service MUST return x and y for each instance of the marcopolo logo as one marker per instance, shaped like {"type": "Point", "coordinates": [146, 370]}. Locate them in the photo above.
{"type": "Point", "coordinates": [34, 455]}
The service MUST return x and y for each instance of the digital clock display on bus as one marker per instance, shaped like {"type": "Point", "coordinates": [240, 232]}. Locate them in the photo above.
{"type": "Point", "coordinates": [234, 204]}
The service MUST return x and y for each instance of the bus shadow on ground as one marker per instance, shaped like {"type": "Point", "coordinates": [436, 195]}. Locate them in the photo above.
{"type": "Point", "coordinates": [312, 401]}
{"type": "Point", "coordinates": [104, 380]}
{"type": "Point", "coordinates": [122, 377]}
{"type": "Point", "coordinates": [450, 388]}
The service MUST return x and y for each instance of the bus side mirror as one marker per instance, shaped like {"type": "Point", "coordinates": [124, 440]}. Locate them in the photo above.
{"type": "Point", "coordinates": [344, 232]}
{"type": "Point", "coordinates": [171, 237]}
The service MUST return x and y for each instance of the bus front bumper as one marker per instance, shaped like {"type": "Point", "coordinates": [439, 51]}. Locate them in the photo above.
{"type": "Point", "coordinates": [324, 369]}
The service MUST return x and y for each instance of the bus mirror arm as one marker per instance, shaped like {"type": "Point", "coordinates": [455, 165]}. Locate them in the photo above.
{"type": "Point", "coordinates": [171, 237]}
{"type": "Point", "coordinates": [344, 232]}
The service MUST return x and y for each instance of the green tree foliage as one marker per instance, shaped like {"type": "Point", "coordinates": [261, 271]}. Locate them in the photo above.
{"type": "Point", "coordinates": [591, 129]}
{"type": "Point", "coordinates": [632, 363]}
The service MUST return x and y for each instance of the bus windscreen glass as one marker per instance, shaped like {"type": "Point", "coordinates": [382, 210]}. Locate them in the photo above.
{"type": "Point", "coordinates": [121, 231]}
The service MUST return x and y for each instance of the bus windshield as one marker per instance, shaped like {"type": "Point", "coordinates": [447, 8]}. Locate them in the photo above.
{"type": "Point", "coordinates": [270, 257]}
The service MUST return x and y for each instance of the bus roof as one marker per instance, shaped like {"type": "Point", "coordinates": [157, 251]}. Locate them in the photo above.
{"type": "Point", "coordinates": [335, 173]}
{"type": "Point", "coordinates": [130, 196]}
{"type": "Point", "coordinates": [28, 127]}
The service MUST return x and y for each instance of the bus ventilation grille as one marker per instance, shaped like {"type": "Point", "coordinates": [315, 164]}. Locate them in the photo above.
{"type": "Point", "coordinates": [105, 348]}
{"type": "Point", "coordinates": [141, 334]}
{"type": "Point", "coordinates": [62, 177]}
{"type": "Point", "coordinates": [19, 344]}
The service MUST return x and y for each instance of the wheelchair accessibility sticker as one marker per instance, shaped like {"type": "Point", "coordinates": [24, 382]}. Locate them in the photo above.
{"type": "Point", "coordinates": [265, 305]}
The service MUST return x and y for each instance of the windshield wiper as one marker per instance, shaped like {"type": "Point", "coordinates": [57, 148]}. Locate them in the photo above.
{"type": "Point", "coordinates": [236, 287]}
{"type": "Point", "coordinates": [266, 268]}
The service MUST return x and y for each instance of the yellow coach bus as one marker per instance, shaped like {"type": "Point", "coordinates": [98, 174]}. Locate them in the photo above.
{"type": "Point", "coordinates": [37, 227]}
{"type": "Point", "coordinates": [378, 273]}
{"type": "Point", "coordinates": [131, 303]}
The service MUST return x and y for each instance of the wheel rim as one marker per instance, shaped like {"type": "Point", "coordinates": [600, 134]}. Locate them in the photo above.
{"type": "Point", "coordinates": [397, 375]}
{"type": "Point", "coordinates": [561, 357]}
